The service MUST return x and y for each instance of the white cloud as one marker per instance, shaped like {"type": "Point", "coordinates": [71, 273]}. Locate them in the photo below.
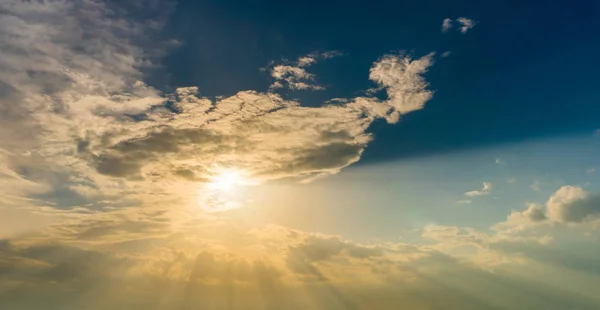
{"type": "Point", "coordinates": [571, 204]}
{"type": "Point", "coordinates": [446, 24]}
{"type": "Point", "coordinates": [463, 202]}
{"type": "Point", "coordinates": [403, 80]}
{"type": "Point", "coordinates": [466, 24]}
{"type": "Point", "coordinates": [568, 205]}
{"type": "Point", "coordinates": [295, 76]}
{"type": "Point", "coordinates": [487, 187]}
{"type": "Point", "coordinates": [446, 54]}
{"type": "Point", "coordinates": [591, 171]}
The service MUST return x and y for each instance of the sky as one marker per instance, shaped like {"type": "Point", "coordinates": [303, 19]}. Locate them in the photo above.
{"type": "Point", "coordinates": [422, 155]}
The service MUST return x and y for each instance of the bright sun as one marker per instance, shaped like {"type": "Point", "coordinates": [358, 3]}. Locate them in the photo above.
{"type": "Point", "coordinates": [225, 180]}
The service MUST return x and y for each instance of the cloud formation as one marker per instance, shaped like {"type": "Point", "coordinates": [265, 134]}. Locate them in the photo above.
{"type": "Point", "coordinates": [487, 187]}
{"type": "Point", "coordinates": [464, 24]}
{"type": "Point", "coordinates": [294, 75]}
{"type": "Point", "coordinates": [568, 205]}
{"type": "Point", "coordinates": [446, 24]}
{"type": "Point", "coordinates": [128, 140]}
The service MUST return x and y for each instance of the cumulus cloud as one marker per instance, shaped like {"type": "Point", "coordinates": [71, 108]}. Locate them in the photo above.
{"type": "Point", "coordinates": [295, 76]}
{"type": "Point", "coordinates": [487, 187]}
{"type": "Point", "coordinates": [464, 24]}
{"type": "Point", "coordinates": [571, 204]}
{"type": "Point", "coordinates": [568, 205]}
{"type": "Point", "coordinates": [534, 214]}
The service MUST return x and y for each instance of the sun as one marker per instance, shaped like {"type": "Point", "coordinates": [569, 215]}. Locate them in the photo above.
{"type": "Point", "coordinates": [225, 180]}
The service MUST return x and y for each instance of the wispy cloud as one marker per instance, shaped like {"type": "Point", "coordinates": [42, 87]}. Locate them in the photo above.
{"type": "Point", "coordinates": [487, 187]}
{"type": "Point", "coordinates": [446, 24]}
{"type": "Point", "coordinates": [464, 24]}
{"type": "Point", "coordinates": [535, 186]}
{"type": "Point", "coordinates": [295, 76]}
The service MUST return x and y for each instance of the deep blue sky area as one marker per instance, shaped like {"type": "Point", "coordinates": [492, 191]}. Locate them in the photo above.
{"type": "Point", "coordinates": [527, 69]}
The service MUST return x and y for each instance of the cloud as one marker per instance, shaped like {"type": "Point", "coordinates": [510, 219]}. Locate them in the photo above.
{"type": "Point", "coordinates": [571, 204]}
{"type": "Point", "coordinates": [535, 186]}
{"type": "Point", "coordinates": [111, 174]}
{"type": "Point", "coordinates": [139, 143]}
{"type": "Point", "coordinates": [402, 78]}
{"type": "Point", "coordinates": [98, 138]}
{"type": "Point", "coordinates": [295, 76]}
{"type": "Point", "coordinates": [464, 24]}
{"type": "Point", "coordinates": [568, 205]}
{"type": "Point", "coordinates": [446, 54]}
{"type": "Point", "coordinates": [271, 267]}
{"type": "Point", "coordinates": [446, 24]}
{"type": "Point", "coordinates": [487, 187]}
{"type": "Point", "coordinates": [534, 213]}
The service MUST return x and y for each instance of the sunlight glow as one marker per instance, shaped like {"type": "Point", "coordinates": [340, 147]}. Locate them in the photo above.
{"type": "Point", "coordinates": [225, 180]}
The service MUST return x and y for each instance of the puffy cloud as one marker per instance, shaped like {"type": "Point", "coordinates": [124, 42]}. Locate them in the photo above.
{"type": "Point", "coordinates": [568, 205]}
{"type": "Point", "coordinates": [487, 187]}
{"type": "Point", "coordinates": [571, 204]}
{"type": "Point", "coordinates": [534, 213]}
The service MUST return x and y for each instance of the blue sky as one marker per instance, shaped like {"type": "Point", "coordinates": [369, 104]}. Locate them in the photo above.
{"type": "Point", "coordinates": [316, 155]}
